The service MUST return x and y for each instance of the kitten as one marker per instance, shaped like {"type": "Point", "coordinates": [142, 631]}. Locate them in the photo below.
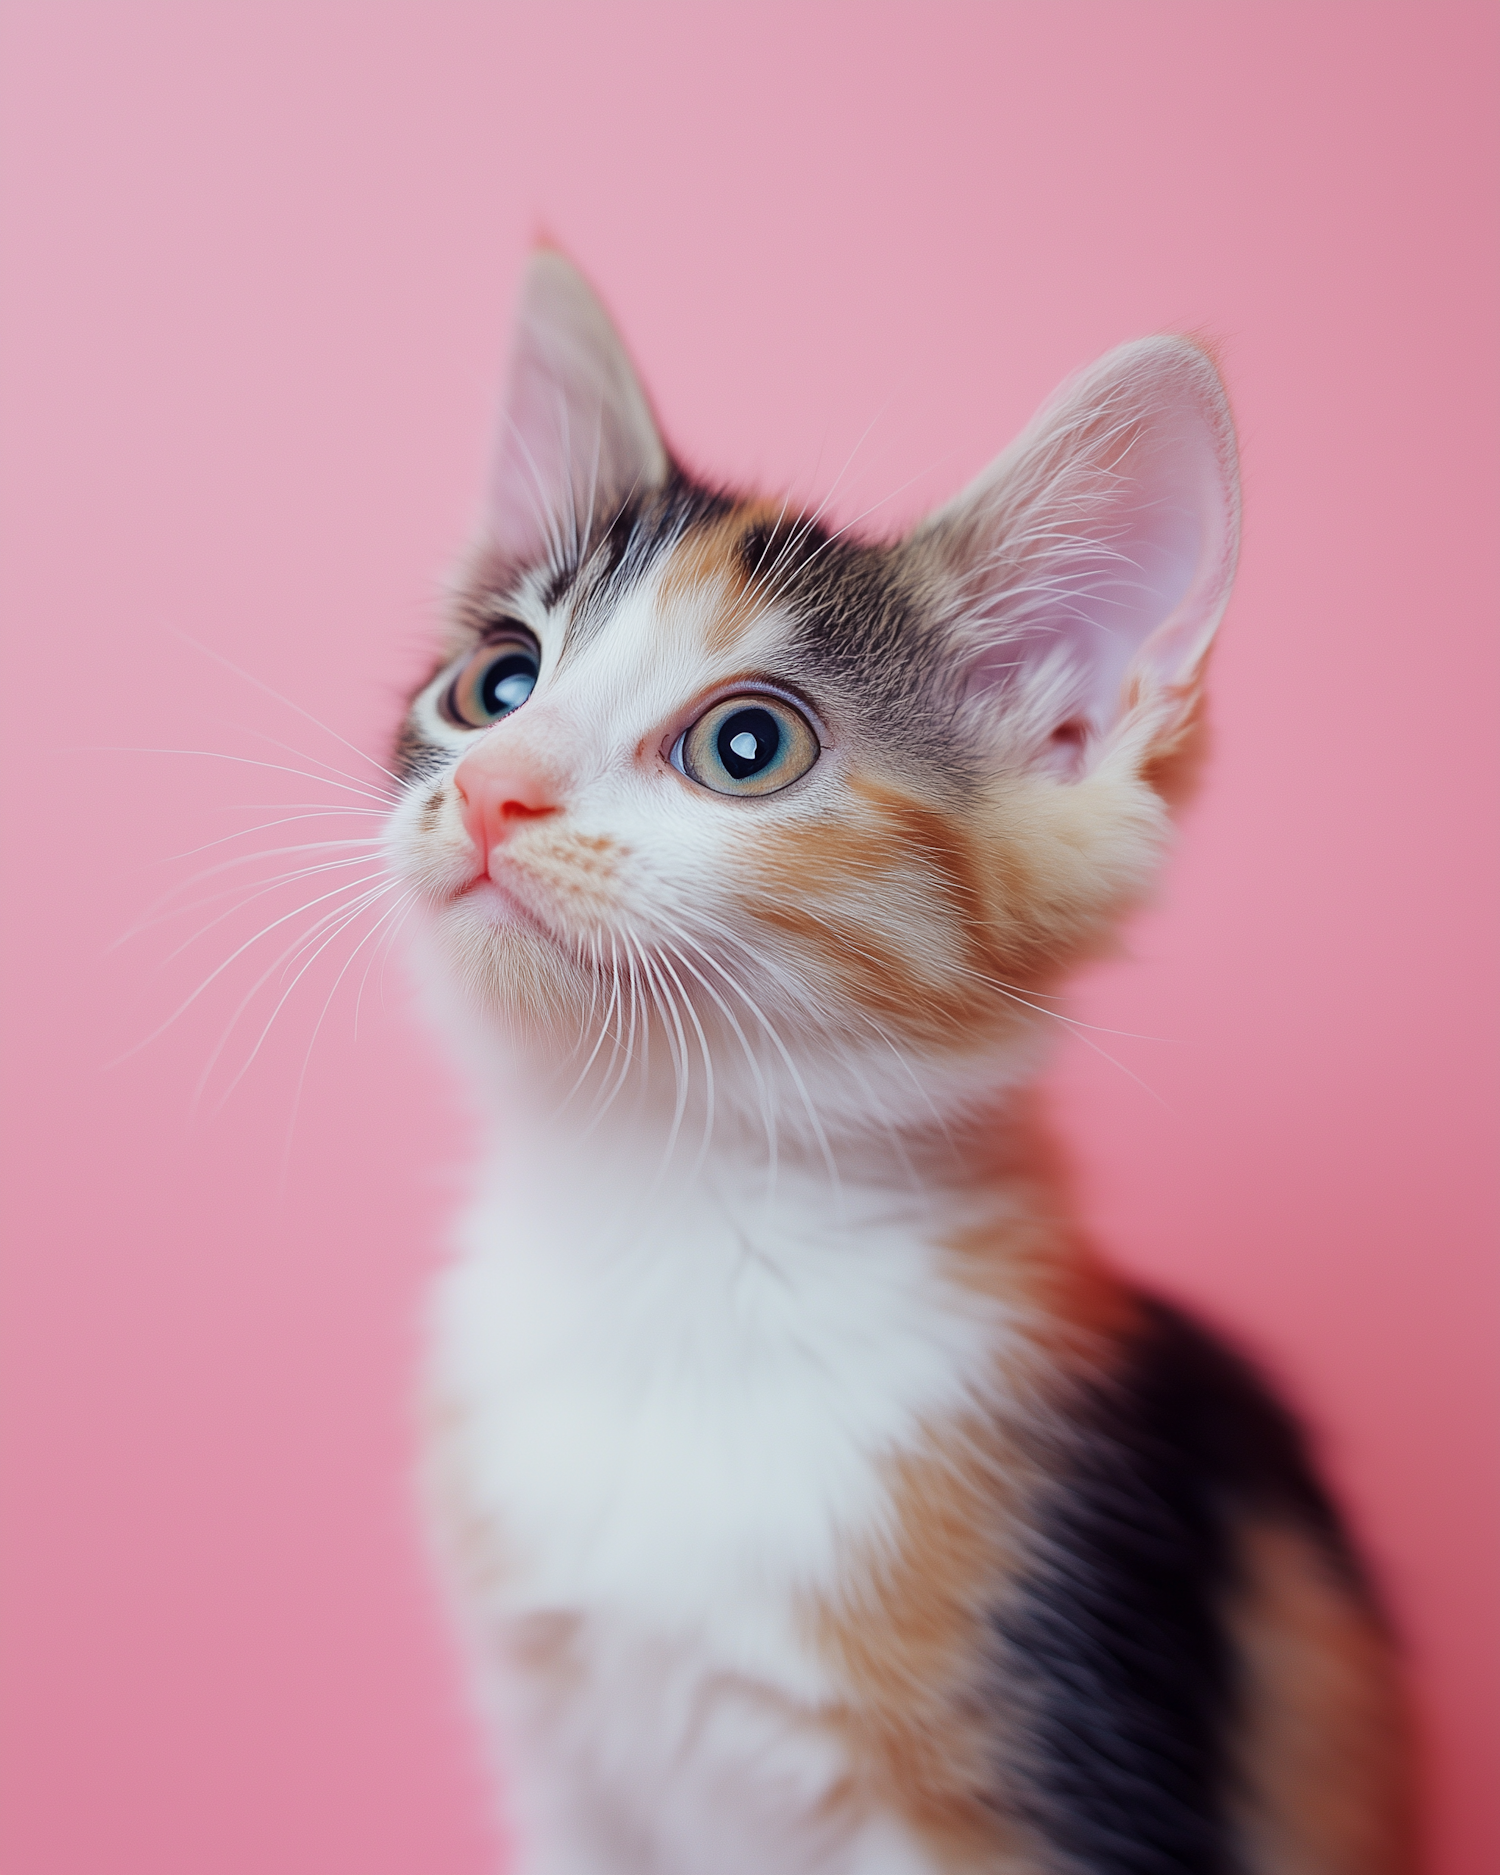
{"type": "Point", "coordinates": [814, 1498]}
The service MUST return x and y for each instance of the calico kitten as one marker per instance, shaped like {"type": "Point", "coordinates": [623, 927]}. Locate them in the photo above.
{"type": "Point", "coordinates": [815, 1499]}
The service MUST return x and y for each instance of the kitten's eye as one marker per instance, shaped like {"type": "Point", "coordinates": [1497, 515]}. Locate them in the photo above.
{"type": "Point", "coordinates": [748, 745]}
{"type": "Point", "coordinates": [499, 678]}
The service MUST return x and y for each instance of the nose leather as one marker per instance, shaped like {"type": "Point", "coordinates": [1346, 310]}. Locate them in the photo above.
{"type": "Point", "coordinates": [501, 788]}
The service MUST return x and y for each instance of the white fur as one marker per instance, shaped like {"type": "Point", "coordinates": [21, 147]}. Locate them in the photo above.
{"type": "Point", "coordinates": [670, 1412]}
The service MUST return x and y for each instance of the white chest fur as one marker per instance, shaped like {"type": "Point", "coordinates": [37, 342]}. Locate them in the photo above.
{"type": "Point", "coordinates": [667, 1418]}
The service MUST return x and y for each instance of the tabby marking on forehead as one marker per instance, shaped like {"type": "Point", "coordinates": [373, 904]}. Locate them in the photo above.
{"type": "Point", "coordinates": [629, 547]}
{"type": "Point", "coordinates": [712, 559]}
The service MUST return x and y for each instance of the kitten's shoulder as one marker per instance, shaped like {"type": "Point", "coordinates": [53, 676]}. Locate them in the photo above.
{"type": "Point", "coordinates": [1205, 1678]}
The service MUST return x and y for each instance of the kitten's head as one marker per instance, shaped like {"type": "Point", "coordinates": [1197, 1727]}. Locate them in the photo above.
{"type": "Point", "coordinates": [702, 782]}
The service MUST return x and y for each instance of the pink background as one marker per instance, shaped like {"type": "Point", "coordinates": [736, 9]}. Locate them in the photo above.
{"type": "Point", "coordinates": [259, 263]}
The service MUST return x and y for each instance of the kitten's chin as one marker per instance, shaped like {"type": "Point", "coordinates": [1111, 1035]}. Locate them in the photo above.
{"type": "Point", "coordinates": [503, 959]}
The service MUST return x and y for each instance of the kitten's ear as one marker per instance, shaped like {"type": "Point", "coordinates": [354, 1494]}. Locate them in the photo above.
{"type": "Point", "coordinates": [577, 436]}
{"type": "Point", "coordinates": [1085, 571]}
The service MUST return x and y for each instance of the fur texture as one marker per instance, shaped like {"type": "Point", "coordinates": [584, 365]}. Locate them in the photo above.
{"type": "Point", "coordinates": [813, 1497]}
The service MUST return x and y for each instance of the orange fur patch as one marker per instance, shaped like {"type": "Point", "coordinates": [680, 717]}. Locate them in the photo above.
{"type": "Point", "coordinates": [1174, 763]}
{"type": "Point", "coordinates": [709, 559]}
{"type": "Point", "coordinates": [1326, 1754]}
{"type": "Point", "coordinates": [943, 923]}
{"type": "Point", "coordinates": [910, 1631]}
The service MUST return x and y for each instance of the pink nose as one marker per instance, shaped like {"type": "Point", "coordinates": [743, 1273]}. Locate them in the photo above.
{"type": "Point", "coordinates": [500, 790]}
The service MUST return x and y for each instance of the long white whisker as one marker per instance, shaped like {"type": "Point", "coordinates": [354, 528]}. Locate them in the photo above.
{"type": "Point", "coordinates": [638, 994]}
{"type": "Point", "coordinates": [381, 952]}
{"type": "Point", "coordinates": [540, 505]}
{"type": "Point", "coordinates": [261, 684]}
{"type": "Point", "coordinates": [328, 918]}
{"type": "Point", "coordinates": [216, 973]}
{"type": "Point", "coordinates": [614, 1073]}
{"type": "Point", "coordinates": [809, 522]}
{"type": "Point", "coordinates": [291, 1126]}
{"type": "Point", "coordinates": [265, 826]}
{"type": "Point", "coordinates": [767, 1105]}
{"type": "Point", "coordinates": [330, 773]}
{"type": "Point", "coordinates": [774, 1037]}
{"type": "Point", "coordinates": [242, 899]}
{"type": "Point", "coordinates": [847, 942]}
{"type": "Point", "coordinates": [604, 1026]}
{"type": "Point", "coordinates": [345, 918]}
{"type": "Point", "coordinates": [625, 1051]}
{"type": "Point", "coordinates": [581, 960]}
{"type": "Point", "coordinates": [250, 859]}
{"type": "Point", "coordinates": [148, 923]}
{"type": "Point", "coordinates": [677, 1043]}
{"type": "Point", "coordinates": [798, 572]}
{"type": "Point", "coordinates": [708, 1066]}
{"type": "Point", "coordinates": [250, 761]}
{"type": "Point", "coordinates": [565, 435]}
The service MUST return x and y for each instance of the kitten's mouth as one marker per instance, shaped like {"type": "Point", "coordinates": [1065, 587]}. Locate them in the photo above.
{"type": "Point", "coordinates": [499, 906]}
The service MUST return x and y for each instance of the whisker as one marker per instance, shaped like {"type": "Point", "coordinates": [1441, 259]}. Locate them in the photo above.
{"type": "Point", "coordinates": [382, 953]}
{"type": "Point", "coordinates": [261, 684]}
{"type": "Point", "coordinates": [762, 1088]}
{"type": "Point", "coordinates": [402, 903]}
{"type": "Point", "coordinates": [1015, 995]}
{"type": "Point", "coordinates": [231, 865]}
{"type": "Point", "coordinates": [774, 1037]}
{"type": "Point", "coordinates": [219, 970]}
{"type": "Point", "coordinates": [241, 900]}
{"type": "Point", "coordinates": [330, 773]}
{"type": "Point", "coordinates": [251, 761]}
{"type": "Point", "coordinates": [708, 1066]}
{"type": "Point", "coordinates": [812, 1005]}
{"type": "Point", "coordinates": [806, 526]}
{"type": "Point", "coordinates": [677, 1043]}
{"type": "Point", "coordinates": [604, 1026]}
{"type": "Point", "coordinates": [345, 917]}
{"type": "Point", "coordinates": [366, 891]}
{"type": "Point", "coordinates": [265, 826]}
{"type": "Point", "coordinates": [638, 986]}
{"type": "Point", "coordinates": [605, 1097]}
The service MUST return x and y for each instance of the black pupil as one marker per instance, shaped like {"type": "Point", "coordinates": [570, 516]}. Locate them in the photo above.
{"type": "Point", "coordinates": [747, 742]}
{"type": "Point", "coordinates": [508, 682]}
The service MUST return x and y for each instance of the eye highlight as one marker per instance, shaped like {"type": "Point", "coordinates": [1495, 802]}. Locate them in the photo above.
{"type": "Point", "coordinates": [748, 745]}
{"type": "Point", "coordinates": [497, 679]}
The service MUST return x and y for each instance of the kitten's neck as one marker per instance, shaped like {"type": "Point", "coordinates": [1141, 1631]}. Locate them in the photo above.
{"type": "Point", "coordinates": [637, 1168]}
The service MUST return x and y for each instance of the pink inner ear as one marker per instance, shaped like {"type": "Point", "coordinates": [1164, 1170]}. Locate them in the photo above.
{"type": "Point", "coordinates": [576, 433]}
{"type": "Point", "coordinates": [1137, 600]}
{"type": "Point", "coordinates": [549, 441]}
{"type": "Point", "coordinates": [1102, 545]}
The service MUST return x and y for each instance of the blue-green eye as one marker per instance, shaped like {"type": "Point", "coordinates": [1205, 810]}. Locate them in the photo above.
{"type": "Point", "coordinates": [748, 745]}
{"type": "Point", "coordinates": [497, 679]}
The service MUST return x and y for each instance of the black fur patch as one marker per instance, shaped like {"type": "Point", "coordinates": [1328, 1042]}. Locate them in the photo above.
{"type": "Point", "coordinates": [1117, 1650]}
{"type": "Point", "coordinates": [864, 634]}
{"type": "Point", "coordinates": [632, 538]}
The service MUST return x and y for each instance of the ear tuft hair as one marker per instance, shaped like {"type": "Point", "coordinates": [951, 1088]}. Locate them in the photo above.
{"type": "Point", "coordinates": [576, 437]}
{"type": "Point", "coordinates": [1085, 571]}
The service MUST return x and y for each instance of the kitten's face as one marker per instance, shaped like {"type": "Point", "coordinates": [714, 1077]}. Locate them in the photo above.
{"type": "Point", "coordinates": [701, 780]}
{"type": "Point", "coordinates": [852, 878]}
